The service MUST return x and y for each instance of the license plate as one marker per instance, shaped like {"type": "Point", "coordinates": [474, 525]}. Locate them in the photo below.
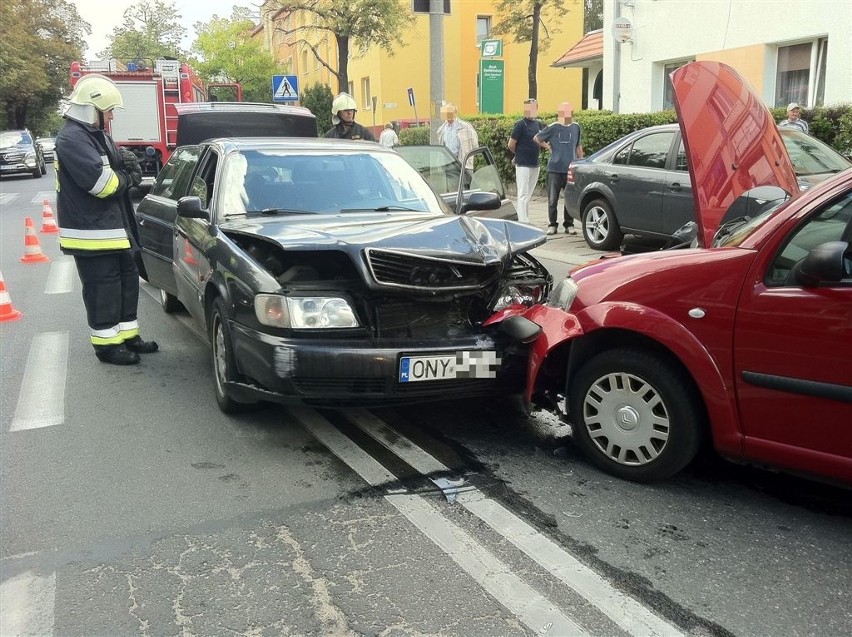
{"type": "Point", "coordinates": [8, 167]}
{"type": "Point", "coordinates": [455, 366]}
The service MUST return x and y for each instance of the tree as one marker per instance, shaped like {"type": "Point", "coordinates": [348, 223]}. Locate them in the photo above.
{"type": "Point", "coordinates": [151, 30]}
{"type": "Point", "coordinates": [355, 25]}
{"type": "Point", "coordinates": [318, 99]}
{"type": "Point", "coordinates": [592, 15]}
{"type": "Point", "coordinates": [40, 40]}
{"type": "Point", "coordinates": [228, 53]}
{"type": "Point", "coordinates": [525, 19]}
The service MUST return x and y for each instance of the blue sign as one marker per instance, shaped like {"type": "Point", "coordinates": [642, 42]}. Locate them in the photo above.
{"type": "Point", "coordinates": [285, 88]}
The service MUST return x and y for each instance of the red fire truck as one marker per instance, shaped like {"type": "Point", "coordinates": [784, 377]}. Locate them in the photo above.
{"type": "Point", "coordinates": [147, 124]}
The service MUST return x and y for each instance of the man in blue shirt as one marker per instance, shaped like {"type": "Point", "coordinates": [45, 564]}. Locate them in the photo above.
{"type": "Point", "coordinates": [562, 140]}
{"type": "Point", "coordinates": [794, 119]}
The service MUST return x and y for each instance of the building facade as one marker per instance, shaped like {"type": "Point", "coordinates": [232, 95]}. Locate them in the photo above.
{"type": "Point", "coordinates": [388, 76]}
{"type": "Point", "coordinates": [789, 50]}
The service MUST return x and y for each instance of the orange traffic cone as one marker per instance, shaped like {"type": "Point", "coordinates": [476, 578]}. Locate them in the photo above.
{"type": "Point", "coordinates": [32, 248]}
{"type": "Point", "coordinates": [7, 310]}
{"type": "Point", "coordinates": [48, 222]}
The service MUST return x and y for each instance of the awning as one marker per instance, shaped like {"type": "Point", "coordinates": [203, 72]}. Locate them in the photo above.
{"type": "Point", "coordinates": [588, 49]}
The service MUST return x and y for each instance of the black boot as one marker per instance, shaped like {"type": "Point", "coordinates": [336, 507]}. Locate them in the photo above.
{"type": "Point", "coordinates": [116, 355]}
{"type": "Point", "coordinates": [136, 344]}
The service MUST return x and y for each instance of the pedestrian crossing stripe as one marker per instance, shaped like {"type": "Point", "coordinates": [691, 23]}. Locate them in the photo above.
{"type": "Point", "coordinates": [285, 88]}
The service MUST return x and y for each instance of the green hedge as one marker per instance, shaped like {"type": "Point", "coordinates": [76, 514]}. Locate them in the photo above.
{"type": "Point", "coordinates": [832, 125]}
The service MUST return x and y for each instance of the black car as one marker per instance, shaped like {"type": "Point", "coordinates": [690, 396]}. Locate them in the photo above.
{"type": "Point", "coordinates": [640, 185]}
{"type": "Point", "coordinates": [19, 153]}
{"type": "Point", "coordinates": [328, 272]}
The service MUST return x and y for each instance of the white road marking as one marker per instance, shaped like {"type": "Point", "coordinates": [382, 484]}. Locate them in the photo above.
{"type": "Point", "coordinates": [41, 402]}
{"type": "Point", "coordinates": [60, 279]}
{"type": "Point", "coordinates": [41, 195]}
{"type": "Point", "coordinates": [625, 611]}
{"type": "Point", "coordinates": [493, 575]}
{"type": "Point", "coordinates": [27, 604]}
{"type": "Point", "coordinates": [7, 197]}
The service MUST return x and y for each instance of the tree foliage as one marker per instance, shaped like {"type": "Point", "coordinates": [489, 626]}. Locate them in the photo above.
{"type": "Point", "coordinates": [151, 30]}
{"type": "Point", "coordinates": [592, 15]}
{"type": "Point", "coordinates": [40, 40]}
{"type": "Point", "coordinates": [228, 53]}
{"type": "Point", "coordinates": [318, 99]}
{"type": "Point", "coordinates": [355, 25]}
{"type": "Point", "coordinates": [529, 21]}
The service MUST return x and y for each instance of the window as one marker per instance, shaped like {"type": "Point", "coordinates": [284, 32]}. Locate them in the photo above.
{"type": "Point", "coordinates": [651, 151]}
{"type": "Point", "coordinates": [366, 97]}
{"type": "Point", "coordinates": [176, 173]}
{"type": "Point", "coordinates": [351, 89]}
{"type": "Point", "coordinates": [800, 73]}
{"type": "Point", "coordinates": [668, 92]}
{"type": "Point", "coordinates": [483, 28]}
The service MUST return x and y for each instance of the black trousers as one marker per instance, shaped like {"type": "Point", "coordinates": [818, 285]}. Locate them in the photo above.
{"type": "Point", "coordinates": [111, 295]}
{"type": "Point", "coordinates": [556, 186]}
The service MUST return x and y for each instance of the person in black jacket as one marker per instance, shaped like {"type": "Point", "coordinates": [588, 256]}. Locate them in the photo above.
{"type": "Point", "coordinates": [343, 110]}
{"type": "Point", "coordinates": [93, 212]}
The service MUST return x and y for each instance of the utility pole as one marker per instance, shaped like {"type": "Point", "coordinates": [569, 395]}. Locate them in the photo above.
{"type": "Point", "coordinates": [436, 65]}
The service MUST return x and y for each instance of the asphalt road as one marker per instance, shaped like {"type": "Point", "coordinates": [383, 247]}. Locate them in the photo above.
{"type": "Point", "coordinates": [130, 505]}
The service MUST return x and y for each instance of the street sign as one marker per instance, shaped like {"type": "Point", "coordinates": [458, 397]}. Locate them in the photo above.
{"type": "Point", "coordinates": [411, 97]}
{"type": "Point", "coordinates": [285, 88]}
{"type": "Point", "coordinates": [491, 80]}
{"type": "Point", "coordinates": [492, 48]}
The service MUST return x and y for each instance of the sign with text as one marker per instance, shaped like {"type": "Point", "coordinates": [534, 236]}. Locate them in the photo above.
{"type": "Point", "coordinates": [285, 88]}
{"type": "Point", "coordinates": [491, 80]}
{"type": "Point", "coordinates": [492, 48]}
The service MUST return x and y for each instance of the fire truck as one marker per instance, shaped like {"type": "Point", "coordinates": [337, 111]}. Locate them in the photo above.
{"type": "Point", "coordinates": [147, 124]}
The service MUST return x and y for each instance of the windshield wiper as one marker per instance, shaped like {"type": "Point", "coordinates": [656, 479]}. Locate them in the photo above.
{"type": "Point", "coordinates": [280, 211]}
{"type": "Point", "coordinates": [727, 228]}
{"type": "Point", "coordinates": [380, 209]}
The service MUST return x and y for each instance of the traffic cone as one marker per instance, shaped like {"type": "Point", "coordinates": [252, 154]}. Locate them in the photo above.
{"type": "Point", "coordinates": [32, 248]}
{"type": "Point", "coordinates": [48, 222]}
{"type": "Point", "coordinates": [7, 310]}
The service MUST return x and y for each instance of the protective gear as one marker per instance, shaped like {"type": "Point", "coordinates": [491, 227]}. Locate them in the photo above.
{"type": "Point", "coordinates": [136, 344]}
{"type": "Point", "coordinates": [117, 355]}
{"type": "Point", "coordinates": [343, 102]}
{"type": "Point", "coordinates": [97, 90]}
{"type": "Point", "coordinates": [131, 165]}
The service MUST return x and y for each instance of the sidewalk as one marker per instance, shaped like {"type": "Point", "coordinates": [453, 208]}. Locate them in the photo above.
{"type": "Point", "coordinates": [559, 247]}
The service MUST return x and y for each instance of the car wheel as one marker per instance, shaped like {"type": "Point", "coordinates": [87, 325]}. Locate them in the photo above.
{"type": "Point", "coordinates": [224, 366]}
{"type": "Point", "coordinates": [43, 167]}
{"type": "Point", "coordinates": [169, 303]}
{"type": "Point", "coordinates": [37, 172]}
{"type": "Point", "coordinates": [635, 416]}
{"type": "Point", "coordinates": [600, 227]}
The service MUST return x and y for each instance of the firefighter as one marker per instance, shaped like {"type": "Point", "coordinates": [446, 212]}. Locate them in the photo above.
{"type": "Point", "coordinates": [93, 210]}
{"type": "Point", "coordinates": [343, 110]}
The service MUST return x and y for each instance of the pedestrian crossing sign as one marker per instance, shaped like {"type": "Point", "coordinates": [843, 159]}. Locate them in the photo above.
{"type": "Point", "coordinates": [285, 88]}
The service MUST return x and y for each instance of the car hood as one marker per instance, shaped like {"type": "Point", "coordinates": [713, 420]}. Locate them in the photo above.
{"type": "Point", "coordinates": [731, 140]}
{"type": "Point", "coordinates": [459, 238]}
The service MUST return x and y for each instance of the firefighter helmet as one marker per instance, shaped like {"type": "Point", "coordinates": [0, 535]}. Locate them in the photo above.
{"type": "Point", "coordinates": [98, 91]}
{"type": "Point", "coordinates": [343, 102]}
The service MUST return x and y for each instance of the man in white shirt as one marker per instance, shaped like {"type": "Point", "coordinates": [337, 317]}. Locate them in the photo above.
{"type": "Point", "coordinates": [389, 138]}
{"type": "Point", "coordinates": [456, 134]}
{"type": "Point", "coordinates": [794, 119]}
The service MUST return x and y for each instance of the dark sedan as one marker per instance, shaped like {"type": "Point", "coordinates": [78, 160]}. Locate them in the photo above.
{"type": "Point", "coordinates": [639, 185]}
{"type": "Point", "coordinates": [328, 272]}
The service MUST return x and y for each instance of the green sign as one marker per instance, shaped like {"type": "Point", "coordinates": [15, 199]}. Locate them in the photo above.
{"type": "Point", "coordinates": [491, 75]}
{"type": "Point", "coordinates": [492, 48]}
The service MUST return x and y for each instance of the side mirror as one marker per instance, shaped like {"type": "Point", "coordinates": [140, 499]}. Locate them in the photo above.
{"type": "Point", "coordinates": [826, 262]}
{"type": "Point", "coordinates": [480, 201]}
{"type": "Point", "coordinates": [190, 208]}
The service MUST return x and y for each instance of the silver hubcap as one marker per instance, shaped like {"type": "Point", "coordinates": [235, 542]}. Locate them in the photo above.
{"type": "Point", "coordinates": [626, 419]}
{"type": "Point", "coordinates": [597, 224]}
{"type": "Point", "coordinates": [219, 356]}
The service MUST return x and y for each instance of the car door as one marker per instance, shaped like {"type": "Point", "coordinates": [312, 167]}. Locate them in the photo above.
{"type": "Point", "coordinates": [484, 177]}
{"type": "Point", "coordinates": [793, 353]}
{"type": "Point", "coordinates": [678, 203]}
{"type": "Point", "coordinates": [193, 239]}
{"type": "Point", "coordinates": [156, 214]}
{"type": "Point", "coordinates": [637, 178]}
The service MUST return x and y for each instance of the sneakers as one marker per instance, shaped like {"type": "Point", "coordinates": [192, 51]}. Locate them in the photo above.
{"type": "Point", "coordinates": [136, 344]}
{"type": "Point", "coordinates": [116, 355]}
{"type": "Point", "coordinates": [571, 230]}
{"type": "Point", "coordinates": [551, 230]}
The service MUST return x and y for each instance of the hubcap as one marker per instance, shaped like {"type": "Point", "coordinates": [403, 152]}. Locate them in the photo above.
{"type": "Point", "coordinates": [597, 227]}
{"type": "Point", "coordinates": [626, 418]}
{"type": "Point", "coordinates": [219, 356]}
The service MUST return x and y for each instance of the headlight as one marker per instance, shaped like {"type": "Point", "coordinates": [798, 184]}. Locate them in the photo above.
{"type": "Point", "coordinates": [563, 294]}
{"type": "Point", "coordinates": [30, 159]}
{"type": "Point", "coordinates": [518, 295]}
{"type": "Point", "coordinates": [304, 312]}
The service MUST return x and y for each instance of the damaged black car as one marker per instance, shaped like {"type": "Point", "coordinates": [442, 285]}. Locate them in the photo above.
{"type": "Point", "coordinates": [328, 272]}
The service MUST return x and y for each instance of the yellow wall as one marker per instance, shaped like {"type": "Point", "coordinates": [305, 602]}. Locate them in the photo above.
{"type": "Point", "coordinates": [750, 61]}
{"type": "Point", "coordinates": [391, 74]}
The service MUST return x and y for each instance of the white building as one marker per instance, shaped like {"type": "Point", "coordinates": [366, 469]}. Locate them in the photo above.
{"type": "Point", "coordinates": [789, 50]}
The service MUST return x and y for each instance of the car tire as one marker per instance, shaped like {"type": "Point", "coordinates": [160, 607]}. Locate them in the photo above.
{"type": "Point", "coordinates": [635, 415]}
{"type": "Point", "coordinates": [600, 227]}
{"type": "Point", "coordinates": [169, 303]}
{"type": "Point", "coordinates": [37, 172]}
{"type": "Point", "coordinates": [43, 167]}
{"type": "Point", "coordinates": [224, 366]}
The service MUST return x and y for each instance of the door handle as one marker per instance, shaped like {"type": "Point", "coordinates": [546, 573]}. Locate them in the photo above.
{"type": "Point", "coordinates": [614, 177]}
{"type": "Point", "coordinates": [675, 187]}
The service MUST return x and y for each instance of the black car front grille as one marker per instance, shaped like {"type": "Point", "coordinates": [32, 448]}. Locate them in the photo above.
{"type": "Point", "coordinates": [422, 320]}
{"type": "Point", "coordinates": [399, 269]}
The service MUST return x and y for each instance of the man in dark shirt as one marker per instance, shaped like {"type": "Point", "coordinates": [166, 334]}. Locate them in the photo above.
{"type": "Point", "coordinates": [343, 110]}
{"type": "Point", "coordinates": [526, 151]}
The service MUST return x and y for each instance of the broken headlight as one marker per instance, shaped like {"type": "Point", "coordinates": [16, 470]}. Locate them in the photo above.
{"type": "Point", "coordinates": [563, 294]}
{"type": "Point", "coordinates": [518, 294]}
{"type": "Point", "coordinates": [304, 312]}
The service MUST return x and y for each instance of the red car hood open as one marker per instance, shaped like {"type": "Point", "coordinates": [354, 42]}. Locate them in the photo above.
{"type": "Point", "coordinates": [731, 140]}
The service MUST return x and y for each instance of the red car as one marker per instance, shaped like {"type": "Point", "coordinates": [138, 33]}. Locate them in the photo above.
{"type": "Point", "coordinates": [745, 340]}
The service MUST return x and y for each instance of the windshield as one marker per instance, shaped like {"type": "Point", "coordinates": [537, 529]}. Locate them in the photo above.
{"type": "Point", "coordinates": [8, 139]}
{"type": "Point", "coordinates": [810, 156]}
{"type": "Point", "coordinates": [270, 180]}
{"type": "Point", "coordinates": [739, 229]}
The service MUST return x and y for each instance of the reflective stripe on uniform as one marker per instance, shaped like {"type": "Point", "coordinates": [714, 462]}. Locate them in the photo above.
{"type": "Point", "coordinates": [107, 183]}
{"type": "Point", "coordinates": [76, 239]}
{"type": "Point", "coordinates": [109, 336]}
{"type": "Point", "coordinates": [128, 330]}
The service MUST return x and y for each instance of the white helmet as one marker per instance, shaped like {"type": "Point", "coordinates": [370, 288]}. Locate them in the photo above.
{"type": "Point", "coordinates": [91, 94]}
{"type": "Point", "coordinates": [343, 102]}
